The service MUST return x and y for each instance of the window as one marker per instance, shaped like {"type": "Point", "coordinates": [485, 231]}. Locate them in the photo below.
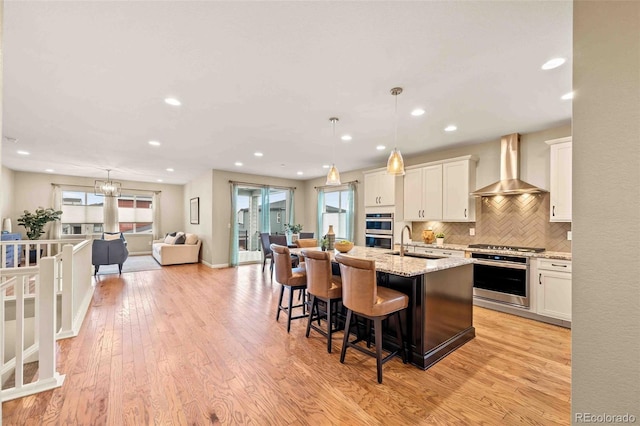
{"type": "Point", "coordinates": [135, 214]}
{"type": "Point", "coordinates": [335, 212]}
{"type": "Point", "coordinates": [82, 213]}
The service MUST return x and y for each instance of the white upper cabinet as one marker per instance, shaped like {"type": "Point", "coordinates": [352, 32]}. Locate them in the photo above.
{"type": "Point", "coordinates": [458, 181]}
{"type": "Point", "coordinates": [560, 168]}
{"type": "Point", "coordinates": [440, 191]}
{"type": "Point", "coordinates": [423, 193]}
{"type": "Point", "coordinates": [379, 189]}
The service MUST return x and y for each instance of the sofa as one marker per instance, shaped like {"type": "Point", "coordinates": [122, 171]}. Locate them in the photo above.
{"type": "Point", "coordinates": [177, 248]}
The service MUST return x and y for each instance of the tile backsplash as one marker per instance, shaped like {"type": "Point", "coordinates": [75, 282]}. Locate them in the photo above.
{"type": "Point", "coordinates": [516, 220]}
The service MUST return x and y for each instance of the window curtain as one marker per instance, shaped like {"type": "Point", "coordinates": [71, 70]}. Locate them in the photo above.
{"type": "Point", "coordinates": [110, 209]}
{"type": "Point", "coordinates": [265, 216]}
{"type": "Point", "coordinates": [291, 208]}
{"type": "Point", "coordinates": [320, 213]}
{"type": "Point", "coordinates": [351, 213]}
{"type": "Point", "coordinates": [155, 212]}
{"type": "Point", "coordinates": [233, 241]}
{"type": "Point", "coordinates": [56, 203]}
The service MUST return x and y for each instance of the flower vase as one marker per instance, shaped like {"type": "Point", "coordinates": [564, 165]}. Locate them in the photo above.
{"type": "Point", "coordinates": [440, 242]}
{"type": "Point", "coordinates": [331, 237]}
{"type": "Point", "coordinates": [294, 238]}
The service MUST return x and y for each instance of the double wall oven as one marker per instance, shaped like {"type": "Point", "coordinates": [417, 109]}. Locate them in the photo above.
{"type": "Point", "coordinates": [379, 230]}
{"type": "Point", "coordinates": [502, 276]}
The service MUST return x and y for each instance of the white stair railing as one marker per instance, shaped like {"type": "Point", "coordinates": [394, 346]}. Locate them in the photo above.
{"type": "Point", "coordinates": [75, 286]}
{"type": "Point", "coordinates": [19, 284]}
{"type": "Point", "coordinates": [29, 252]}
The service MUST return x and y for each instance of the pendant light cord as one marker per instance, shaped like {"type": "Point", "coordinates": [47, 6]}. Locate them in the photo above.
{"type": "Point", "coordinates": [395, 135]}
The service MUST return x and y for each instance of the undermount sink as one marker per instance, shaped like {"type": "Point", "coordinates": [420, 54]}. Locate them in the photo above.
{"type": "Point", "coordinates": [419, 255]}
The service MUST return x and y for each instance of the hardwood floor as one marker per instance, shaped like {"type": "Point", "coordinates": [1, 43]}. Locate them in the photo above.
{"type": "Point", "coordinates": [192, 345]}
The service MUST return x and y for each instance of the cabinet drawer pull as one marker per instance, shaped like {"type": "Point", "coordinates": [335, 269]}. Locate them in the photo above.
{"type": "Point", "coordinates": [448, 254]}
{"type": "Point", "coordinates": [558, 265]}
{"type": "Point", "coordinates": [540, 279]}
{"type": "Point", "coordinates": [465, 212]}
{"type": "Point", "coordinates": [553, 211]}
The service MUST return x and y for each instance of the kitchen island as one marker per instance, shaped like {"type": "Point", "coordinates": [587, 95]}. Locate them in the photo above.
{"type": "Point", "coordinates": [439, 318]}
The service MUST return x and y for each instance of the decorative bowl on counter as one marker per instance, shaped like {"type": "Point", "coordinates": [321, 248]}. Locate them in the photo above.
{"type": "Point", "coordinates": [343, 246]}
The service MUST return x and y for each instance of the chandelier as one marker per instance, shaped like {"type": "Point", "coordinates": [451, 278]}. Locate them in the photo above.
{"type": "Point", "coordinates": [107, 188]}
{"type": "Point", "coordinates": [395, 164]}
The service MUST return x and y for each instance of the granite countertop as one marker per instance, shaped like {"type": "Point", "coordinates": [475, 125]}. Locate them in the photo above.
{"type": "Point", "coordinates": [545, 254]}
{"type": "Point", "coordinates": [394, 264]}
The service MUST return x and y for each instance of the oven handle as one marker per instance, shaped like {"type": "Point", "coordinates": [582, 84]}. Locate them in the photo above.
{"type": "Point", "coordinates": [386, 237]}
{"type": "Point", "coordinates": [379, 219]}
{"type": "Point", "coordinates": [500, 264]}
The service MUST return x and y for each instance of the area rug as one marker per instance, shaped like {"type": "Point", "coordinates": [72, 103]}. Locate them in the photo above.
{"type": "Point", "coordinates": [132, 264]}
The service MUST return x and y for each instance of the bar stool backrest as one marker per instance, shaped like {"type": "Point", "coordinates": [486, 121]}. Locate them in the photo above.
{"type": "Point", "coordinates": [359, 286]}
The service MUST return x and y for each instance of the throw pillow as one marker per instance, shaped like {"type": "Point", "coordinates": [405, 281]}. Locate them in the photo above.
{"type": "Point", "coordinates": [191, 239]}
{"type": "Point", "coordinates": [180, 239]}
{"type": "Point", "coordinates": [111, 237]}
{"type": "Point", "coordinates": [170, 239]}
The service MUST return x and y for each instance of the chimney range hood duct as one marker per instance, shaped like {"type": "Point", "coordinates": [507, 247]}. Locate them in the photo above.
{"type": "Point", "coordinates": [509, 183]}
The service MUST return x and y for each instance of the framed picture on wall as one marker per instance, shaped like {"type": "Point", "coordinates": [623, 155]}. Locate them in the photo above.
{"type": "Point", "coordinates": [194, 211]}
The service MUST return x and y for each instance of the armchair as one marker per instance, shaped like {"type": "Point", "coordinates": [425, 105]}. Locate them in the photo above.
{"type": "Point", "coordinates": [109, 252]}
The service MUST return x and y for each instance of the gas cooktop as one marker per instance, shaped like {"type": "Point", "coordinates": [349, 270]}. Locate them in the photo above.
{"type": "Point", "coordinates": [507, 248]}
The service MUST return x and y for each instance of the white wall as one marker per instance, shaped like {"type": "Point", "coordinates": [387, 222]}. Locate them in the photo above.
{"type": "Point", "coordinates": [6, 192]}
{"type": "Point", "coordinates": [606, 208]}
{"type": "Point", "coordinates": [33, 190]}
{"type": "Point", "coordinates": [202, 188]}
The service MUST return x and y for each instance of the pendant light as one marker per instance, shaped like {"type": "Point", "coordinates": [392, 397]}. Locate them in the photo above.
{"type": "Point", "coordinates": [395, 164]}
{"type": "Point", "coordinates": [333, 177]}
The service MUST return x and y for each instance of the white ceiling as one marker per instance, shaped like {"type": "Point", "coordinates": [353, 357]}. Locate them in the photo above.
{"type": "Point", "coordinates": [84, 82]}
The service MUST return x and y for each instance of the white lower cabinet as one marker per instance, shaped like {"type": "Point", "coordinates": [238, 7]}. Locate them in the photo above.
{"type": "Point", "coordinates": [553, 283]}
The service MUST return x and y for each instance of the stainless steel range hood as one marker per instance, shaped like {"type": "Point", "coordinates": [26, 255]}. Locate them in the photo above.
{"type": "Point", "coordinates": [509, 183]}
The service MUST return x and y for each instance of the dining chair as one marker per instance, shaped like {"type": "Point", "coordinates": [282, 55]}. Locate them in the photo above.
{"type": "Point", "coordinates": [307, 242]}
{"type": "Point", "coordinates": [322, 286]}
{"type": "Point", "coordinates": [266, 249]}
{"type": "Point", "coordinates": [306, 234]}
{"type": "Point", "coordinates": [267, 240]}
{"type": "Point", "coordinates": [291, 278]}
{"type": "Point", "coordinates": [363, 297]}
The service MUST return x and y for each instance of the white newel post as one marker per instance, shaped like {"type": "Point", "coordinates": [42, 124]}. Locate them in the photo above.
{"type": "Point", "coordinates": [67, 289]}
{"type": "Point", "coordinates": [46, 319]}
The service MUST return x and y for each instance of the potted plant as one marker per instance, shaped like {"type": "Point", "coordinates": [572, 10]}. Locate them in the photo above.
{"type": "Point", "coordinates": [324, 243]}
{"type": "Point", "coordinates": [440, 239]}
{"type": "Point", "coordinates": [294, 230]}
{"type": "Point", "coordinates": [35, 222]}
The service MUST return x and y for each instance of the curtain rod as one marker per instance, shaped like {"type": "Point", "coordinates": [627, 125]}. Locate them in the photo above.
{"type": "Point", "coordinates": [259, 185]}
{"type": "Point", "coordinates": [342, 184]}
{"type": "Point", "coordinates": [87, 186]}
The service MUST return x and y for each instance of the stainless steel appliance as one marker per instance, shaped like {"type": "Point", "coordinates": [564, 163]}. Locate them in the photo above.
{"type": "Point", "coordinates": [379, 230]}
{"type": "Point", "coordinates": [502, 276]}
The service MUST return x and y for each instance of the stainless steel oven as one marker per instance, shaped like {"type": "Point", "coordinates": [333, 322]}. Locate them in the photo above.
{"type": "Point", "coordinates": [379, 230]}
{"type": "Point", "coordinates": [501, 278]}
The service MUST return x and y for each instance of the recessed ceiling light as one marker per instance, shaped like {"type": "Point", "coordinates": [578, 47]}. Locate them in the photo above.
{"type": "Point", "coordinates": [553, 63]}
{"type": "Point", "coordinates": [238, 163]}
{"type": "Point", "coordinates": [325, 166]}
{"type": "Point", "coordinates": [417, 112]}
{"type": "Point", "coordinates": [23, 152]}
{"type": "Point", "coordinates": [346, 137]}
{"type": "Point", "coordinates": [258, 154]}
{"type": "Point", "coordinates": [172, 101]}
{"type": "Point", "coordinates": [450, 128]}
{"type": "Point", "coordinates": [49, 170]}
{"type": "Point", "coordinates": [159, 180]}
{"type": "Point", "coordinates": [169, 169]}
{"type": "Point", "coordinates": [381, 147]}
{"type": "Point", "coordinates": [154, 143]}
{"type": "Point", "coordinates": [567, 96]}
{"type": "Point", "coordinates": [300, 173]}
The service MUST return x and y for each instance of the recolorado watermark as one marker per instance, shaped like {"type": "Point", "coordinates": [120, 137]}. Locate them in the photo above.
{"type": "Point", "coordinates": [604, 418]}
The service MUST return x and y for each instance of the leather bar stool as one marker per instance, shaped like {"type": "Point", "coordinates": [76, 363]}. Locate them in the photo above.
{"type": "Point", "coordinates": [322, 285]}
{"type": "Point", "coordinates": [292, 278]}
{"type": "Point", "coordinates": [363, 297]}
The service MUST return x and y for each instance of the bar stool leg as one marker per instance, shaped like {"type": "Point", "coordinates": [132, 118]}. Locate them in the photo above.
{"type": "Point", "coordinates": [280, 302]}
{"type": "Point", "coordinates": [289, 310]}
{"type": "Point", "coordinates": [377, 326]}
{"type": "Point", "coordinates": [345, 340]}
{"type": "Point", "coordinates": [314, 305]}
{"type": "Point", "coordinates": [329, 325]}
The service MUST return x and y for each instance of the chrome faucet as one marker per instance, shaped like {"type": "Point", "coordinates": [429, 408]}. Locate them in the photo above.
{"type": "Point", "coordinates": [402, 238]}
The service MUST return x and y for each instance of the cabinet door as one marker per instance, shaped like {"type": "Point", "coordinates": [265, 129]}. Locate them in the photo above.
{"type": "Point", "coordinates": [413, 195]}
{"type": "Point", "coordinates": [456, 198]}
{"type": "Point", "coordinates": [371, 189]}
{"type": "Point", "coordinates": [432, 192]}
{"type": "Point", "coordinates": [554, 294]}
{"type": "Point", "coordinates": [560, 182]}
{"type": "Point", "coordinates": [386, 189]}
